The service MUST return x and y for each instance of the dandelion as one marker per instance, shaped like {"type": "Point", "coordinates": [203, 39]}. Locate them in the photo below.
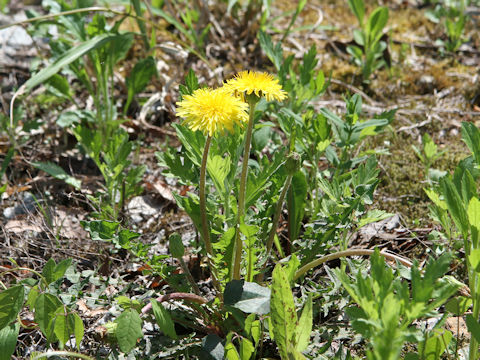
{"type": "Point", "coordinates": [259, 83]}
{"type": "Point", "coordinates": [251, 86]}
{"type": "Point", "coordinates": [212, 111]}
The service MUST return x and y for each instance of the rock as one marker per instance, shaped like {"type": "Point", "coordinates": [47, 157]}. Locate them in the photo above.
{"type": "Point", "coordinates": [426, 84]}
{"type": "Point", "coordinates": [141, 207]}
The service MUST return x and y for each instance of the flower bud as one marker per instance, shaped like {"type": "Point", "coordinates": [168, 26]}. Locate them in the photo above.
{"type": "Point", "coordinates": [293, 163]}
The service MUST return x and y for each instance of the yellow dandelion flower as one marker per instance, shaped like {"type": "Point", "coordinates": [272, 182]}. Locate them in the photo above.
{"type": "Point", "coordinates": [259, 83]}
{"type": "Point", "coordinates": [212, 110]}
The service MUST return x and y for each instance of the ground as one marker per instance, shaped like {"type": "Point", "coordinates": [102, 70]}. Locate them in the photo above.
{"type": "Point", "coordinates": [433, 92]}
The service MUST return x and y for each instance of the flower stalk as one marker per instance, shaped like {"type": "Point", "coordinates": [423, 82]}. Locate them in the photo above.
{"type": "Point", "coordinates": [252, 100]}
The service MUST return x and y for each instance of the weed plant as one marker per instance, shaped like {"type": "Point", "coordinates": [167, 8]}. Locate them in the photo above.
{"type": "Point", "coordinates": [276, 189]}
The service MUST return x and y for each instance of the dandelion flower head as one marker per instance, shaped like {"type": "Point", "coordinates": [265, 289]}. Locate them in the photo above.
{"type": "Point", "coordinates": [212, 110]}
{"type": "Point", "coordinates": [260, 83]}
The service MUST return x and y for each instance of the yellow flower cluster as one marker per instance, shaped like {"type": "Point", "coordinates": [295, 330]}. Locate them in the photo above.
{"type": "Point", "coordinates": [261, 84]}
{"type": "Point", "coordinates": [212, 111]}
{"type": "Point", "coordinates": [216, 110]}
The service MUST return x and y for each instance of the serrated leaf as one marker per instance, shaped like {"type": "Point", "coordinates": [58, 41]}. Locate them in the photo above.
{"type": "Point", "coordinates": [164, 319]}
{"type": "Point", "coordinates": [58, 173]}
{"type": "Point", "coordinates": [218, 168]}
{"type": "Point", "coordinates": [11, 302]}
{"type": "Point", "coordinates": [455, 205]}
{"type": "Point", "coordinates": [129, 330]}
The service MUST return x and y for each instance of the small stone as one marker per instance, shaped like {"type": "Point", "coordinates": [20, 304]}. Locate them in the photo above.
{"type": "Point", "coordinates": [426, 84]}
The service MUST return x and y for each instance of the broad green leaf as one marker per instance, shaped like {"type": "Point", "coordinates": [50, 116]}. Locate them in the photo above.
{"type": "Point", "coordinates": [471, 137]}
{"type": "Point", "coordinates": [458, 305]}
{"type": "Point", "coordinates": [125, 237]}
{"type": "Point", "coordinates": [139, 78]}
{"type": "Point", "coordinates": [64, 325]}
{"type": "Point", "coordinates": [473, 212]}
{"type": "Point", "coordinates": [175, 245]}
{"type": "Point", "coordinates": [294, 354]}
{"type": "Point", "coordinates": [11, 302]}
{"type": "Point", "coordinates": [282, 312]}
{"type": "Point", "coordinates": [119, 46]}
{"type": "Point", "coordinates": [376, 22]}
{"type": "Point", "coordinates": [248, 297]}
{"type": "Point", "coordinates": [246, 349]}
{"type": "Point", "coordinates": [473, 326]}
{"type": "Point", "coordinates": [100, 229]}
{"type": "Point", "coordinates": [192, 141]}
{"type": "Point", "coordinates": [212, 345]}
{"type": "Point", "coordinates": [45, 307]}
{"type": "Point", "coordinates": [373, 216]}
{"type": "Point", "coordinates": [255, 331]}
{"type": "Point", "coordinates": [164, 319]}
{"type": "Point", "coordinates": [61, 268]}
{"type": "Point", "coordinates": [48, 270]}
{"type": "Point", "coordinates": [190, 204]}
{"type": "Point", "coordinates": [359, 37]}
{"type": "Point", "coordinates": [231, 352]}
{"type": "Point", "coordinates": [296, 198]}
{"type": "Point", "coordinates": [129, 330]}
{"type": "Point", "coordinates": [78, 329]}
{"type": "Point", "coordinates": [32, 297]}
{"type": "Point", "coordinates": [474, 259]}
{"type": "Point", "coordinates": [58, 173]}
{"type": "Point", "coordinates": [8, 340]}
{"type": "Point", "coordinates": [70, 56]}
{"type": "Point", "coordinates": [53, 272]}
{"type": "Point", "coordinates": [358, 8]}
{"type": "Point", "coordinates": [304, 329]}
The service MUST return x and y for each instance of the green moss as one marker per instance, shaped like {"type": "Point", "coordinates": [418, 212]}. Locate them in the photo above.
{"type": "Point", "coordinates": [403, 178]}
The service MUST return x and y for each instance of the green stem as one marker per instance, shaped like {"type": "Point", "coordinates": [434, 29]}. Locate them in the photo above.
{"type": "Point", "coordinates": [352, 252]}
{"type": "Point", "coordinates": [242, 192]}
{"type": "Point", "coordinates": [278, 211]}
{"type": "Point", "coordinates": [276, 217]}
{"type": "Point", "coordinates": [203, 214]}
{"type": "Point", "coordinates": [189, 276]}
{"type": "Point", "coordinates": [473, 350]}
{"type": "Point", "coordinates": [42, 278]}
